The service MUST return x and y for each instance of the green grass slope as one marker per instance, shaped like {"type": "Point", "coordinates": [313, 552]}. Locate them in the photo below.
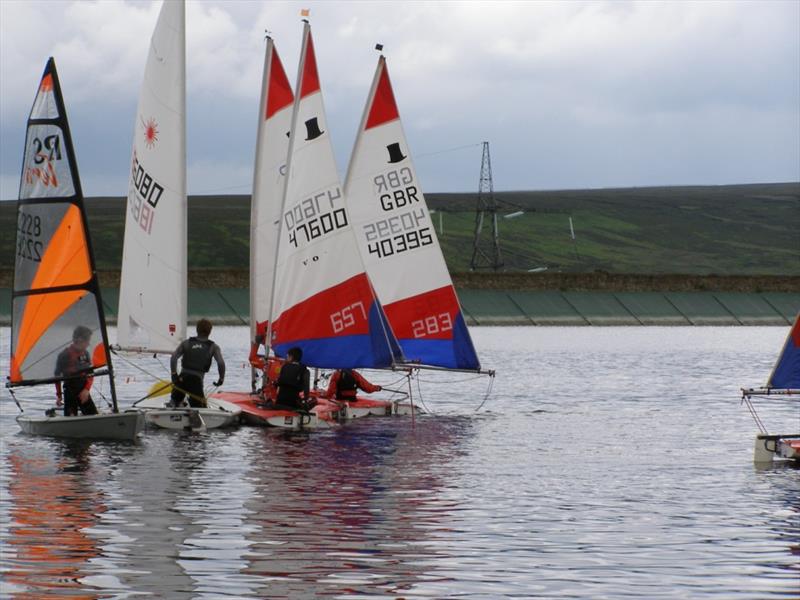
{"type": "Point", "coordinates": [724, 230]}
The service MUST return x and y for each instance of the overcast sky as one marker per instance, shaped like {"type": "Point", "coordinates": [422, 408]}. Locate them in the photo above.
{"type": "Point", "coordinates": [569, 94]}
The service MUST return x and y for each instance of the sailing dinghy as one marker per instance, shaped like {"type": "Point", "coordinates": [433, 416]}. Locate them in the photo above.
{"type": "Point", "coordinates": [272, 146]}
{"type": "Point", "coordinates": [783, 381]}
{"type": "Point", "coordinates": [306, 271]}
{"type": "Point", "coordinates": [153, 284]}
{"type": "Point", "coordinates": [55, 281]}
{"type": "Point", "coordinates": [398, 242]}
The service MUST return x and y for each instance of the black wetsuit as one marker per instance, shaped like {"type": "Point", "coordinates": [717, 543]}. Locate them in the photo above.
{"type": "Point", "coordinates": [196, 354]}
{"type": "Point", "coordinates": [293, 379]}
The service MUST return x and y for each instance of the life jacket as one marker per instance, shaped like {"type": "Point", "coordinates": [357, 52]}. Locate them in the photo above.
{"type": "Point", "coordinates": [291, 381]}
{"type": "Point", "coordinates": [197, 355]}
{"type": "Point", "coordinates": [346, 386]}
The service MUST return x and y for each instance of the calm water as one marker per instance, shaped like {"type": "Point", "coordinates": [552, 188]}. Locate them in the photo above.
{"type": "Point", "coordinates": [607, 463]}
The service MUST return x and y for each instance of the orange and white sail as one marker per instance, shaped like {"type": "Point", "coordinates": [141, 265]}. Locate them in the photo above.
{"type": "Point", "coordinates": [272, 146]}
{"type": "Point", "coordinates": [153, 299]}
{"type": "Point", "coordinates": [324, 303]}
{"type": "Point", "coordinates": [55, 282]}
{"type": "Point", "coordinates": [397, 239]}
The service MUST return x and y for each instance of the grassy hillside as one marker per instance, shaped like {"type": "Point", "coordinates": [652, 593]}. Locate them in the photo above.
{"type": "Point", "coordinates": [724, 230]}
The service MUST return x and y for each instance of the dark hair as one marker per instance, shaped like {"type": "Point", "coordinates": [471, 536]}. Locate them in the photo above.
{"type": "Point", "coordinates": [204, 327]}
{"type": "Point", "coordinates": [82, 333]}
{"type": "Point", "coordinates": [296, 353]}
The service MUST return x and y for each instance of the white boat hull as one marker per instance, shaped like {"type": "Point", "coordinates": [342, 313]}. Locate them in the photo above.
{"type": "Point", "coordinates": [778, 447]}
{"type": "Point", "coordinates": [110, 426]}
{"type": "Point", "coordinates": [219, 413]}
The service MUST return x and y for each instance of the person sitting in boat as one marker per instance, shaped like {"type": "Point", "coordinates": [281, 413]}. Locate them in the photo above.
{"type": "Point", "coordinates": [345, 383]}
{"type": "Point", "coordinates": [294, 382]}
{"type": "Point", "coordinates": [75, 365]}
{"type": "Point", "coordinates": [196, 354]}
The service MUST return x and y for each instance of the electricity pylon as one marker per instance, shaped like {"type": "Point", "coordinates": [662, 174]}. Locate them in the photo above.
{"type": "Point", "coordinates": [486, 257]}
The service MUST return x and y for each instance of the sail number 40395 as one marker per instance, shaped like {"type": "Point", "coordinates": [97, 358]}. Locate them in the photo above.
{"type": "Point", "coordinates": [432, 325]}
{"type": "Point", "coordinates": [342, 319]}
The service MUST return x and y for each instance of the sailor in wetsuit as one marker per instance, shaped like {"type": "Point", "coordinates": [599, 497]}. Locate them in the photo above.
{"type": "Point", "coordinates": [346, 382]}
{"type": "Point", "coordinates": [195, 354]}
{"type": "Point", "coordinates": [293, 379]}
{"type": "Point", "coordinates": [75, 366]}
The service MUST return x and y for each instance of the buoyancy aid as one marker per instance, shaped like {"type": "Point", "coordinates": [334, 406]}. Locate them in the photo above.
{"type": "Point", "coordinates": [291, 381]}
{"type": "Point", "coordinates": [197, 355]}
{"type": "Point", "coordinates": [347, 385]}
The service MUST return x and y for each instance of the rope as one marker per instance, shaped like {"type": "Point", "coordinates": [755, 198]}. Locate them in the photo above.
{"type": "Point", "coordinates": [149, 374]}
{"type": "Point", "coordinates": [756, 418]}
{"type": "Point", "coordinates": [488, 393]}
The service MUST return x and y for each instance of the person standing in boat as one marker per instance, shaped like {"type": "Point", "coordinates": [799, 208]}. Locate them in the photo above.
{"type": "Point", "coordinates": [74, 364]}
{"type": "Point", "coordinates": [294, 380]}
{"type": "Point", "coordinates": [345, 383]}
{"type": "Point", "coordinates": [195, 354]}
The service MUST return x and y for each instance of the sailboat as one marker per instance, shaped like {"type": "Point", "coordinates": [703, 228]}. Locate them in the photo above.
{"type": "Point", "coordinates": [153, 284]}
{"type": "Point", "coordinates": [783, 381]}
{"type": "Point", "coordinates": [398, 242]}
{"type": "Point", "coordinates": [316, 287]}
{"type": "Point", "coordinates": [56, 291]}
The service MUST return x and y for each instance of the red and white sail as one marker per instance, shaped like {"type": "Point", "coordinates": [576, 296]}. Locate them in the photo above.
{"type": "Point", "coordinates": [398, 241]}
{"type": "Point", "coordinates": [323, 299]}
{"type": "Point", "coordinates": [55, 282]}
{"type": "Point", "coordinates": [152, 301]}
{"type": "Point", "coordinates": [272, 147]}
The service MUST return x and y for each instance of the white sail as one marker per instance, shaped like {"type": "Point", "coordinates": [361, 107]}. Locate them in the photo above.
{"type": "Point", "coordinates": [152, 301]}
{"type": "Point", "coordinates": [397, 239]}
{"type": "Point", "coordinates": [323, 299]}
{"type": "Point", "coordinates": [272, 145]}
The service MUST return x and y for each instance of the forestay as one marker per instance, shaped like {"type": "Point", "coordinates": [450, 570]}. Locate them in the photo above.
{"type": "Point", "coordinates": [152, 301]}
{"type": "Point", "coordinates": [398, 242]}
{"type": "Point", "coordinates": [323, 299]}
{"type": "Point", "coordinates": [272, 146]}
{"type": "Point", "coordinates": [55, 284]}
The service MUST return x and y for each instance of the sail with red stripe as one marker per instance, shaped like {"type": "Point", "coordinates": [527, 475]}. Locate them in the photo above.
{"type": "Point", "coordinates": [786, 374]}
{"type": "Point", "coordinates": [272, 146]}
{"type": "Point", "coordinates": [397, 239]}
{"type": "Point", "coordinates": [323, 301]}
{"type": "Point", "coordinates": [55, 282]}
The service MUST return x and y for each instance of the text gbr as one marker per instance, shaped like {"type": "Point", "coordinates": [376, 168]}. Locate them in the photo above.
{"type": "Point", "coordinates": [405, 230]}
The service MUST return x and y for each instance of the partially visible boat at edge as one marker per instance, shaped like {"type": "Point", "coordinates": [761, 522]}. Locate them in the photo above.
{"type": "Point", "coordinates": [55, 280]}
{"type": "Point", "coordinates": [783, 381]}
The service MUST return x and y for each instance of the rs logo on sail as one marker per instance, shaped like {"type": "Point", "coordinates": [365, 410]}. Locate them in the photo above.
{"type": "Point", "coordinates": [45, 151]}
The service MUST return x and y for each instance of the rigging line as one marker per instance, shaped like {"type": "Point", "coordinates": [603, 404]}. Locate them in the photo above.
{"type": "Point", "coordinates": [14, 396]}
{"type": "Point", "coordinates": [421, 400]}
{"type": "Point", "coordinates": [417, 156]}
{"type": "Point", "coordinates": [488, 393]}
{"type": "Point", "coordinates": [452, 380]}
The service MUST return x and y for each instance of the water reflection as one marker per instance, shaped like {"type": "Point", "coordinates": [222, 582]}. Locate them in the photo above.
{"type": "Point", "coordinates": [349, 512]}
{"type": "Point", "coordinates": [54, 507]}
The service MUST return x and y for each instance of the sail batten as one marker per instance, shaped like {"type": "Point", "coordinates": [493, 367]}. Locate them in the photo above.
{"type": "Point", "coordinates": [397, 239]}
